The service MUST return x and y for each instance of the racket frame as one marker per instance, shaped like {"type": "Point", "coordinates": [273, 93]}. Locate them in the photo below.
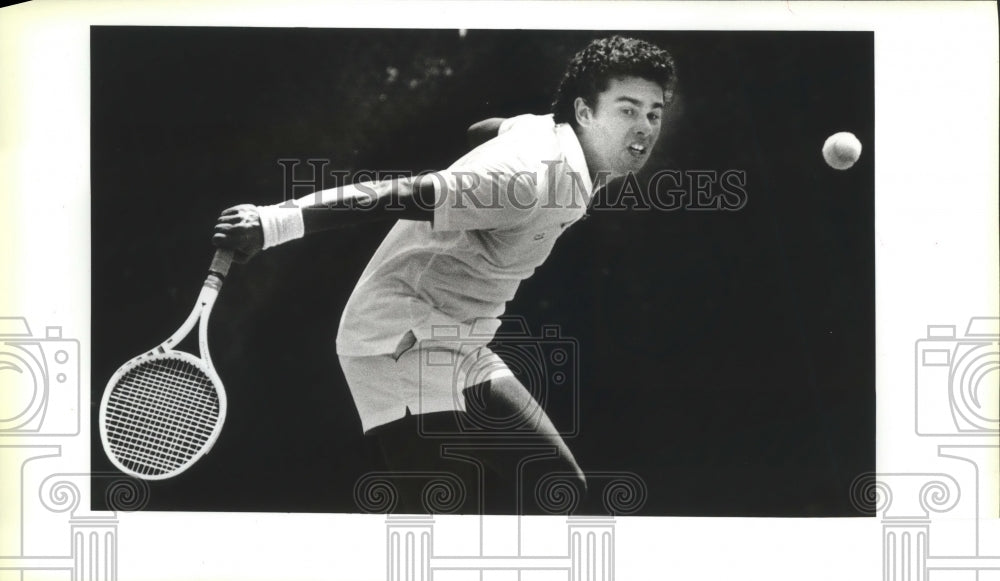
{"type": "Point", "coordinates": [200, 315]}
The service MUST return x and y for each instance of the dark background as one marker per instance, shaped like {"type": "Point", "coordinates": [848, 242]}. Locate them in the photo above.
{"type": "Point", "coordinates": [726, 358]}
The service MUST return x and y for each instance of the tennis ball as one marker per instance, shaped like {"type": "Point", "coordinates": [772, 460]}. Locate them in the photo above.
{"type": "Point", "coordinates": [841, 150]}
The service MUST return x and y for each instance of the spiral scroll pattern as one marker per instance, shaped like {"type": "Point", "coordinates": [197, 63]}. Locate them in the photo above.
{"type": "Point", "coordinates": [375, 493]}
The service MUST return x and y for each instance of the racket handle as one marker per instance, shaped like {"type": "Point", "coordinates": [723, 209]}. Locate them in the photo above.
{"type": "Point", "coordinates": [220, 262]}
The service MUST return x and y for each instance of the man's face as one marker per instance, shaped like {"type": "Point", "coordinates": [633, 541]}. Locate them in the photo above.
{"type": "Point", "coordinates": [618, 133]}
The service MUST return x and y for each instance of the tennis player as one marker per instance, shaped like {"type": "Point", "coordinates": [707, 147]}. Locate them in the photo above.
{"type": "Point", "coordinates": [413, 337]}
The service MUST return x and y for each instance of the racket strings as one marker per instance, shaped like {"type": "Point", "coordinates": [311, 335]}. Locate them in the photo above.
{"type": "Point", "coordinates": [154, 430]}
{"type": "Point", "coordinates": [161, 414]}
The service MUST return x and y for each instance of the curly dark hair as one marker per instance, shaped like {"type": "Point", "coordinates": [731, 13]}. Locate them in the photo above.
{"type": "Point", "coordinates": [591, 69]}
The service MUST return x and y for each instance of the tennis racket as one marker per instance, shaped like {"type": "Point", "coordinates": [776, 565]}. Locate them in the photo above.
{"type": "Point", "coordinates": [164, 409]}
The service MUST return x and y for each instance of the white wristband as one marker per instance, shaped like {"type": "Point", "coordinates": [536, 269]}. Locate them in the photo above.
{"type": "Point", "coordinates": [281, 224]}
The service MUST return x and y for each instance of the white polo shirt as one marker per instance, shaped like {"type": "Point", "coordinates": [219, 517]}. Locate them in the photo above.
{"type": "Point", "coordinates": [499, 210]}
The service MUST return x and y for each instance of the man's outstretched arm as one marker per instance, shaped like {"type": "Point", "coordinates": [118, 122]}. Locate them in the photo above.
{"type": "Point", "coordinates": [247, 229]}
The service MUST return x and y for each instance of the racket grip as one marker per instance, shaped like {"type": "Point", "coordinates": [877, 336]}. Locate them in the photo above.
{"type": "Point", "coordinates": [220, 262]}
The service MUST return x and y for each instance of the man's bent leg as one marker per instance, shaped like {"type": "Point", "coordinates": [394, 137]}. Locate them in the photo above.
{"type": "Point", "coordinates": [425, 480]}
{"type": "Point", "coordinates": [520, 443]}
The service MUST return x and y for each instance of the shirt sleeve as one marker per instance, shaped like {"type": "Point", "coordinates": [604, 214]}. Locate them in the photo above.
{"type": "Point", "coordinates": [506, 124]}
{"type": "Point", "coordinates": [492, 187]}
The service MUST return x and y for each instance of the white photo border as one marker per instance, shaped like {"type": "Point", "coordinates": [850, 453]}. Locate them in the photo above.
{"type": "Point", "coordinates": [936, 258]}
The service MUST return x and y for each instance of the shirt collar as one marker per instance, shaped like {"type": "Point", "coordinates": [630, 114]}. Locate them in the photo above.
{"type": "Point", "coordinates": [570, 146]}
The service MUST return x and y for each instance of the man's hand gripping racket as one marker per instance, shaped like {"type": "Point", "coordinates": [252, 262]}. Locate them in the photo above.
{"type": "Point", "coordinates": [164, 409]}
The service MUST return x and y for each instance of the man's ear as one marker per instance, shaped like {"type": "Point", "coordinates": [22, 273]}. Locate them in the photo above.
{"type": "Point", "coordinates": [583, 112]}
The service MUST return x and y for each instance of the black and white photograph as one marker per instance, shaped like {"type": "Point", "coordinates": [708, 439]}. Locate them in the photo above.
{"type": "Point", "coordinates": [496, 290]}
{"type": "Point", "coordinates": [490, 270]}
